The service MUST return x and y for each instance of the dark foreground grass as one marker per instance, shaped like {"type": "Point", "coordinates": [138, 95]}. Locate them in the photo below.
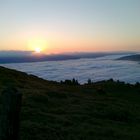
{"type": "Point", "coordinates": [105, 110]}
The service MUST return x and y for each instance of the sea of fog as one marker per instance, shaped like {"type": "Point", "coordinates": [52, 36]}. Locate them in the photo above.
{"type": "Point", "coordinates": [97, 69]}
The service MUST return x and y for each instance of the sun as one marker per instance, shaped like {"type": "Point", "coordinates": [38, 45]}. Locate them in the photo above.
{"type": "Point", "coordinates": [38, 50]}
{"type": "Point", "coordinates": [37, 45]}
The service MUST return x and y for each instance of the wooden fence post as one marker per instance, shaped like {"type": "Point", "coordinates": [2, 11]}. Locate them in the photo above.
{"type": "Point", "coordinates": [10, 110]}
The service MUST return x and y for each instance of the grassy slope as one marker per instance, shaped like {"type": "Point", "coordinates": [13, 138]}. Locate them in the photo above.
{"type": "Point", "coordinates": [52, 111]}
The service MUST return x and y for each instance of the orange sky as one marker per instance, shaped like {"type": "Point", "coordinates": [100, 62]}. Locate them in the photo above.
{"type": "Point", "coordinates": [70, 26]}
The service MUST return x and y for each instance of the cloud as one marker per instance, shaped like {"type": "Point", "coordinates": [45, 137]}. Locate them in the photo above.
{"type": "Point", "coordinates": [101, 68]}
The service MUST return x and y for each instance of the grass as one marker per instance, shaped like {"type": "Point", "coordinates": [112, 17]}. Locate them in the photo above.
{"type": "Point", "coordinates": [104, 110]}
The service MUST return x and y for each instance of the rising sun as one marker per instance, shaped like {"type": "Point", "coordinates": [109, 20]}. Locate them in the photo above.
{"type": "Point", "coordinates": [38, 50]}
{"type": "Point", "coordinates": [38, 45]}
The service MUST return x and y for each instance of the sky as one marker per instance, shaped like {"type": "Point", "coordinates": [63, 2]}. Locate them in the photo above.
{"type": "Point", "coordinates": [58, 26]}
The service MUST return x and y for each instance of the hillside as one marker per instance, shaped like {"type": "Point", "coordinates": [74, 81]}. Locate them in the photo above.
{"type": "Point", "coordinates": [104, 110]}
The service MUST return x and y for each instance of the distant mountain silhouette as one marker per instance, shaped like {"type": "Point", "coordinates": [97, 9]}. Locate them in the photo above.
{"type": "Point", "coordinates": [131, 58]}
{"type": "Point", "coordinates": [40, 58]}
{"type": "Point", "coordinates": [14, 57]}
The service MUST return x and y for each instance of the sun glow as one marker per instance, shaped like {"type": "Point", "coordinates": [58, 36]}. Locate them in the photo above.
{"type": "Point", "coordinates": [37, 45]}
{"type": "Point", "coordinates": [38, 50]}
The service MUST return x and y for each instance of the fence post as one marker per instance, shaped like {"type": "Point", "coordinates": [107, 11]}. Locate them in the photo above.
{"type": "Point", "coordinates": [10, 110]}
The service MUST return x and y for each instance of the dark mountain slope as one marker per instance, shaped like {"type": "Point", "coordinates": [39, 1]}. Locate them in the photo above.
{"type": "Point", "coordinates": [105, 110]}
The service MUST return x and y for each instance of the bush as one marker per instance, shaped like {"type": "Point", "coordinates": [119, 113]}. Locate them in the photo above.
{"type": "Point", "coordinates": [70, 82]}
